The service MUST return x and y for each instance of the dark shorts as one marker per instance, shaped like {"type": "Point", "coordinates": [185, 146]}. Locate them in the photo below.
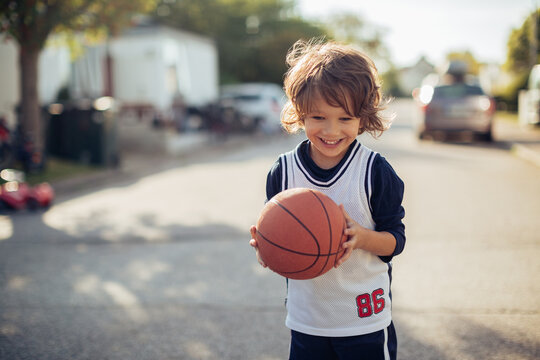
{"type": "Point", "coordinates": [380, 345]}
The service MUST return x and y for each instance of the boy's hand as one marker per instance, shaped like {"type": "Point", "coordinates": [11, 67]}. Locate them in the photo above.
{"type": "Point", "coordinates": [354, 232]}
{"type": "Point", "coordinates": [253, 242]}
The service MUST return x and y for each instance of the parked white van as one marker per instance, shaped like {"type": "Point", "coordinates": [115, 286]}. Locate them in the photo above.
{"type": "Point", "coordinates": [262, 102]}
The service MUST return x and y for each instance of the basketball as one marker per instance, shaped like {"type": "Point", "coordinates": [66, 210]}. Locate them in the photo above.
{"type": "Point", "coordinates": [300, 232]}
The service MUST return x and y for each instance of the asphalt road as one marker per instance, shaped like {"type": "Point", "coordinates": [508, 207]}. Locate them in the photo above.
{"type": "Point", "coordinates": [159, 267]}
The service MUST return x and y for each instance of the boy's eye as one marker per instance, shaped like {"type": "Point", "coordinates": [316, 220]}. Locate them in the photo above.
{"type": "Point", "coordinates": [345, 118]}
{"type": "Point", "coordinates": [317, 117]}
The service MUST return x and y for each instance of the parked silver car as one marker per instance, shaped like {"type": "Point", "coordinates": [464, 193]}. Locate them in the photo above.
{"type": "Point", "coordinates": [455, 108]}
{"type": "Point", "coordinates": [261, 101]}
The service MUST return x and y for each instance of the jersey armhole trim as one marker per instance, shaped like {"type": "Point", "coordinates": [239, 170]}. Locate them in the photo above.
{"type": "Point", "coordinates": [284, 172]}
{"type": "Point", "coordinates": [368, 180]}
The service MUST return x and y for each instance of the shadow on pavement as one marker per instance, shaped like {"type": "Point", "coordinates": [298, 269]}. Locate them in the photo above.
{"type": "Point", "coordinates": [195, 293]}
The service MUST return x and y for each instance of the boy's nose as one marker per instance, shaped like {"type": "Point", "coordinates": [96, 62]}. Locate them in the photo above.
{"type": "Point", "coordinates": [332, 127]}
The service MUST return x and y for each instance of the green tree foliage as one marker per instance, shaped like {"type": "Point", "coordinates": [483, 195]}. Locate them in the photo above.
{"type": "Point", "coordinates": [523, 53]}
{"type": "Point", "coordinates": [524, 45]}
{"type": "Point", "coordinates": [508, 95]}
{"type": "Point", "coordinates": [390, 83]}
{"type": "Point", "coordinates": [473, 66]}
{"type": "Point", "coordinates": [252, 36]}
{"type": "Point", "coordinates": [30, 23]}
{"type": "Point", "coordinates": [353, 29]}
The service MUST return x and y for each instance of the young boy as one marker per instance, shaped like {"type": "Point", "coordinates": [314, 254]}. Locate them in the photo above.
{"type": "Point", "coordinates": [334, 96]}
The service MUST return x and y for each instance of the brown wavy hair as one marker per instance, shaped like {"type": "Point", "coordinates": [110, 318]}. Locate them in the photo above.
{"type": "Point", "coordinates": [343, 76]}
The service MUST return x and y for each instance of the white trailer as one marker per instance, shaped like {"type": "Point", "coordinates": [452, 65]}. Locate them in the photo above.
{"type": "Point", "coordinates": [152, 66]}
{"type": "Point", "coordinates": [155, 73]}
{"type": "Point", "coordinates": [158, 65]}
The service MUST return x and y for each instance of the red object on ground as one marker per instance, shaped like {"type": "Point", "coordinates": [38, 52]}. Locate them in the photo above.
{"type": "Point", "coordinates": [17, 195]}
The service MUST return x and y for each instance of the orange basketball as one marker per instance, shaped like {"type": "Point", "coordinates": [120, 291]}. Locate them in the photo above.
{"type": "Point", "coordinates": [300, 232]}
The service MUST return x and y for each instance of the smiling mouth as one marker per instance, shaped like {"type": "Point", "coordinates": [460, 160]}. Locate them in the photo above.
{"type": "Point", "coordinates": [330, 142]}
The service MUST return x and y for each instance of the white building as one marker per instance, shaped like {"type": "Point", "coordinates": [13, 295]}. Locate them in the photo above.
{"type": "Point", "coordinates": [411, 77]}
{"type": "Point", "coordinates": [151, 66]}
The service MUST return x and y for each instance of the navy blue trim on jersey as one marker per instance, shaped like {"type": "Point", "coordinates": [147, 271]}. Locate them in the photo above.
{"type": "Point", "coordinates": [286, 181]}
{"type": "Point", "coordinates": [274, 180]}
{"type": "Point", "coordinates": [367, 181]}
{"type": "Point", "coordinates": [317, 176]}
{"type": "Point", "coordinates": [390, 280]}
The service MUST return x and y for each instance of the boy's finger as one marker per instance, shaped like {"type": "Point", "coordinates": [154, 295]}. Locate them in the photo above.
{"type": "Point", "coordinates": [345, 212]}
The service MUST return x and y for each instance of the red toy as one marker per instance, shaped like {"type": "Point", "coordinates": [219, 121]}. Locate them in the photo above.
{"type": "Point", "coordinates": [300, 232]}
{"type": "Point", "coordinates": [16, 194]}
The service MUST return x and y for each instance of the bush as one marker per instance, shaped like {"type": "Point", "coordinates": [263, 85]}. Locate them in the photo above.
{"type": "Point", "coordinates": [507, 97]}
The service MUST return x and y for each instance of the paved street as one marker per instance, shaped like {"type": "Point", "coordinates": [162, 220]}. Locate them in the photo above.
{"type": "Point", "coordinates": [159, 267]}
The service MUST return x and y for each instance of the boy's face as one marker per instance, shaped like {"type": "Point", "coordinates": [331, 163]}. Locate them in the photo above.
{"type": "Point", "coordinates": [331, 131]}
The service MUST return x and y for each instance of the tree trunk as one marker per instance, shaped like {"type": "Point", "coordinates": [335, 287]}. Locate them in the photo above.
{"type": "Point", "coordinates": [108, 74]}
{"type": "Point", "coordinates": [29, 113]}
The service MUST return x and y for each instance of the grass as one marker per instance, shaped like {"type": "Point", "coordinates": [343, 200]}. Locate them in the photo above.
{"type": "Point", "coordinates": [507, 116]}
{"type": "Point", "coordinates": [59, 169]}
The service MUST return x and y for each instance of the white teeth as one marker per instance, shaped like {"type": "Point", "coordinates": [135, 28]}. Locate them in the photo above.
{"type": "Point", "coordinates": [330, 142]}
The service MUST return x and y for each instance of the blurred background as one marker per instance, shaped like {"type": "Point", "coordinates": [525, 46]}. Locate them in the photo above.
{"type": "Point", "coordinates": [146, 64]}
{"type": "Point", "coordinates": [135, 139]}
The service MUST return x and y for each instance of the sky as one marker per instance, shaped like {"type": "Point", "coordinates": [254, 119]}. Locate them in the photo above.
{"type": "Point", "coordinates": [433, 28]}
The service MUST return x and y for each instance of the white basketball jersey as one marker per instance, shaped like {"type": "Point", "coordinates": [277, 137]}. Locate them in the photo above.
{"type": "Point", "coordinates": [353, 299]}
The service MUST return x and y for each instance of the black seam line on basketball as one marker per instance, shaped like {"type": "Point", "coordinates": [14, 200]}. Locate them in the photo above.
{"type": "Point", "coordinates": [301, 223]}
{"type": "Point", "coordinates": [295, 251]}
{"type": "Point", "coordinates": [338, 175]}
{"type": "Point", "coordinates": [329, 226]}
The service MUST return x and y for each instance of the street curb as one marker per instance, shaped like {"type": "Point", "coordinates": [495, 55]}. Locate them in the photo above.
{"type": "Point", "coordinates": [526, 153]}
{"type": "Point", "coordinates": [79, 183]}
{"type": "Point", "coordinates": [178, 154]}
